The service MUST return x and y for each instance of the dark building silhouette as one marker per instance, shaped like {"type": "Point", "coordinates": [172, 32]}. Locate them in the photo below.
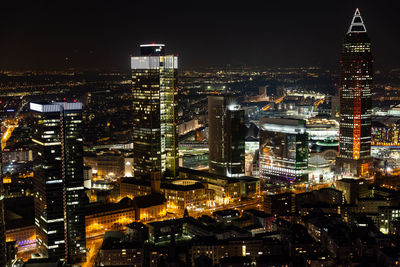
{"type": "Point", "coordinates": [354, 159]}
{"type": "Point", "coordinates": [58, 181]}
{"type": "Point", "coordinates": [155, 100]}
{"type": "Point", "coordinates": [280, 204]}
{"type": "Point", "coordinates": [226, 136]}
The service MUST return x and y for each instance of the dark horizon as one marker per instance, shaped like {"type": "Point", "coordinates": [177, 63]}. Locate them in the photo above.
{"type": "Point", "coordinates": [101, 35]}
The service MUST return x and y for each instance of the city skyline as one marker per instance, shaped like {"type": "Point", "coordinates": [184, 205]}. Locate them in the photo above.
{"type": "Point", "coordinates": [103, 35]}
{"type": "Point", "coordinates": [223, 166]}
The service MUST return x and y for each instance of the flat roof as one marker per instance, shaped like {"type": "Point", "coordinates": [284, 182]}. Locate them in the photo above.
{"type": "Point", "coordinates": [151, 45]}
{"type": "Point", "coordinates": [99, 207]}
{"type": "Point", "coordinates": [54, 106]}
{"type": "Point", "coordinates": [209, 175]}
{"type": "Point", "coordinates": [149, 200]}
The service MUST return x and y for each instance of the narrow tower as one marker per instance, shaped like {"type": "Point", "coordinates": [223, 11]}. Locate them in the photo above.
{"type": "Point", "coordinates": [354, 158]}
{"type": "Point", "coordinates": [58, 182]}
{"type": "Point", "coordinates": [155, 101]}
{"type": "Point", "coordinates": [226, 136]}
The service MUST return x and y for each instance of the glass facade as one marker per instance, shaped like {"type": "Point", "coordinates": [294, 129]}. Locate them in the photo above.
{"type": "Point", "coordinates": [74, 194]}
{"type": "Point", "coordinates": [354, 157]}
{"type": "Point", "coordinates": [385, 135]}
{"type": "Point", "coordinates": [155, 100]}
{"type": "Point", "coordinates": [283, 150]}
{"type": "Point", "coordinates": [226, 136]}
{"type": "Point", "coordinates": [58, 180]}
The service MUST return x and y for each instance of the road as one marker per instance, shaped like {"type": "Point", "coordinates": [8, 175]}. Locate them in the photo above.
{"type": "Point", "coordinates": [238, 205]}
{"type": "Point", "coordinates": [11, 124]}
{"type": "Point", "coordinates": [277, 101]}
{"type": "Point", "coordinates": [7, 134]}
{"type": "Point", "coordinates": [93, 245]}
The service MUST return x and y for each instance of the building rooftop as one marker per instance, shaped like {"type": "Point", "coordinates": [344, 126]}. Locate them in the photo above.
{"type": "Point", "coordinates": [212, 240]}
{"type": "Point", "coordinates": [54, 106]}
{"type": "Point", "coordinates": [99, 207]}
{"type": "Point", "coordinates": [179, 187]}
{"type": "Point", "coordinates": [205, 219]}
{"type": "Point", "coordinates": [227, 212]}
{"type": "Point", "coordinates": [166, 185]}
{"type": "Point", "coordinates": [136, 225]}
{"type": "Point", "coordinates": [19, 212]}
{"type": "Point", "coordinates": [149, 200]}
{"type": "Point", "coordinates": [43, 262]}
{"type": "Point", "coordinates": [257, 213]}
{"type": "Point", "coordinates": [351, 181]}
{"type": "Point", "coordinates": [136, 181]}
{"type": "Point", "coordinates": [116, 240]}
{"type": "Point", "coordinates": [285, 125]}
{"type": "Point", "coordinates": [331, 189]}
{"type": "Point", "coordinates": [209, 175]}
{"type": "Point", "coordinates": [171, 222]}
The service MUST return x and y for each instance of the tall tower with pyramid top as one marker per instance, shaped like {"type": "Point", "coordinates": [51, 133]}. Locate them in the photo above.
{"type": "Point", "coordinates": [355, 84]}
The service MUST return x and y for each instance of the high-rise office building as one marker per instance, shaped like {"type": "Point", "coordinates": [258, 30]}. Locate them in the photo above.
{"type": "Point", "coordinates": [354, 159]}
{"type": "Point", "coordinates": [58, 180]}
{"type": "Point", "coordinates": [283, 150]}
{"type": "Point", "coordinates": [155, 114]}
{"type": "Point", "coordinates": [226, 136]}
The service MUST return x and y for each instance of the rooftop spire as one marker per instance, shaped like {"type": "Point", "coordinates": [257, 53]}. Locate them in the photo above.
{"type": "Point", "coordinates": [357, 24]}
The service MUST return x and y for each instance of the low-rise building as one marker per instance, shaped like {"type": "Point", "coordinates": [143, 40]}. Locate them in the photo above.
{"type": "Point", "coordinates": [226, 216]}
{"type": "Point", "coordinates": [351, 189]}
{"type": "Point", "coordinates": [280, 204]}
{"type": "Point", "coordinates": [180, 194]}
{"type": "Point", "coordinates": [260, 218]}
{"type": "Point", "coordinates": [137, 231]}
{"type": "Point", "coordinates": [162, 230]}
{"type": "Point", "coordinates": [117, 250]}
{"type": "Point", "coordinates": [20, 224]}
{"type": "Point", "coordinates": [224, 189]}
{"type": "Point", "coordinates": [101, 217]}
{"type": "Point", "coordinates": [389, 219]}
{"type": "Point", "coordinates": [106, 164]}
{"type": "Point", "coordinates": [216, 250]}
{"type": "Point", "coordinates": [150, 207]}
{"type": "Point", "coordinates": [132, 187]}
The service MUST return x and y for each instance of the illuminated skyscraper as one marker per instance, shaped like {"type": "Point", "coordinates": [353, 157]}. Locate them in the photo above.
{"type": "Point", "coordinates": [354, 157]}
{"type": "Point", "coordinates": [155, 100]}
{"type": "Point", "coordinates": [226, 136]}
{"type": "Point", "coordinates": [283, 150]}
{"type": "Point", "coordinates": [58, 180]}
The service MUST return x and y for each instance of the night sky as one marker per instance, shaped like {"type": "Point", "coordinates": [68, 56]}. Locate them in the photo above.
{"type": "Point", "coordinates": [102, 34]}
